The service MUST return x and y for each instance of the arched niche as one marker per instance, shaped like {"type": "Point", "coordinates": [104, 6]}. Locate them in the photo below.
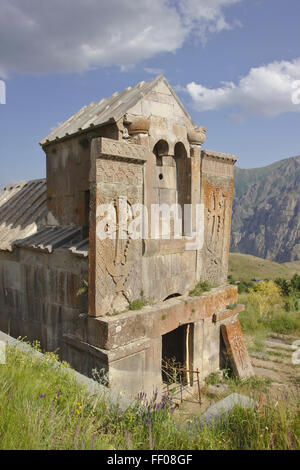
{"type": "Point", "coordinates": [161, 149]}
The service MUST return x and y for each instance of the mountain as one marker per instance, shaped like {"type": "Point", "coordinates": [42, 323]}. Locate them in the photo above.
{"type": "Point", "coordinates": [266, 211]}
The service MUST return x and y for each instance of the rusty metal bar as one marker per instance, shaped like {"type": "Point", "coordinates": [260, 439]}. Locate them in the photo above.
{"type": "Point", "coordinates": [181, 399]}
{"type": "Point", "coordinates": [198, 383]}
{"type": "Point", "coordinates": [167, 367]}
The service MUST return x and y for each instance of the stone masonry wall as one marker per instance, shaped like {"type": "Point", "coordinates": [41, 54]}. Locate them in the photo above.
{"type": "Point", "coordinates": [68, 167]}
{"type": "Point", "coordinates": [38, 295]}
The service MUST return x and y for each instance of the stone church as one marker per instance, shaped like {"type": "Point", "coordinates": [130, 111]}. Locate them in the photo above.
{"type": "Point", "coordinates": [140, 146]}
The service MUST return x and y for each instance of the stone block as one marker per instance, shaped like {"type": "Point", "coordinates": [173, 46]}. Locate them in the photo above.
{"type": "Point", "coordinates": [221, 409]}
{"type": "Point", "coordinates": [236, 350]}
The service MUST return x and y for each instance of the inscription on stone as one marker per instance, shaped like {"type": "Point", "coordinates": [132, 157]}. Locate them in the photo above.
{"type": "Point", "coordinates": [236, 350]}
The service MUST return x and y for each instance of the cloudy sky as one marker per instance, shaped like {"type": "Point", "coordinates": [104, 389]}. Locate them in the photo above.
{"type": "Point", "coordinates": [235, 64]}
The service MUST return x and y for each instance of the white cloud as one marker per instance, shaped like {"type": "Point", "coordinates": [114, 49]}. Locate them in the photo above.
{"type": "Point", "coordinates": [154, 71]}
{"type": "Point", "coordinates": [266, 90]}
{"type": "Point", "coordinates": [42, 36]}
{"type": "Point", "coordinates": [205, 16]}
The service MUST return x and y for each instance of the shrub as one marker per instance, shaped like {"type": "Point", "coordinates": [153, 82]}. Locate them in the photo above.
{"type": "Point", "coordinates": [284, 285]}
{"type": "Point", "coordinates": [295, 282]}
{"type": "Point", "coordinates": [244, 286]}
{"type": "Point", "coordinates": [265, 297]}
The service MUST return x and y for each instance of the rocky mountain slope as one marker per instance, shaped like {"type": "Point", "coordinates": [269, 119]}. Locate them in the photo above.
{"type": "Point", "coordinates": [266, 211]}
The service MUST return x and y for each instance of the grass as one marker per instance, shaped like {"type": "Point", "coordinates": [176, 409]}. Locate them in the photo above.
{"type": "Point", "coordinates": [280, 321]}
{"type": "Point", "coordinates": [247, 267]}
{"type": "Point", "coordinates": [200, 288]}
{"type": "Point", "coordinates": [138, 304]}
{"type": "Point", "coordinates": [43, 407]}
{"type": "Point", "coordinates": [213, 379]}
{"type": "Point", "coordinates": [231, 306]}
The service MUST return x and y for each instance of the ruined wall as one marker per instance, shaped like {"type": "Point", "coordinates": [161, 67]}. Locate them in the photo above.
{"type": "Point", "coordinates": [38, 295]}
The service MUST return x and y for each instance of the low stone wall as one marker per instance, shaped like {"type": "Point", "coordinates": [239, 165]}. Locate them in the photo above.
{"type": "Point", "coordinates": [38, 295]}
{"type": "Point", "coordinates": [94, 389]}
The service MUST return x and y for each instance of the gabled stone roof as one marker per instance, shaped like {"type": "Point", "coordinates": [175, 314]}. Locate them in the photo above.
{"type": "Point", "coordinates": [23, 218]}
{"type": "Point", "coordinates": [108, 110]}
{"type": "Point", "coordinates": [22, 208]}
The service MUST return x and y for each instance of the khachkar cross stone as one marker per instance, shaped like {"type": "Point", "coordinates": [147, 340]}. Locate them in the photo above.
{"type": "Point", "coordinates": [236, 350]}
{"type": "Point", "coordinates": [215, 233]}
{"type": "Point", "coordinates": [215, 217]}
{"type": "Point", "coordinates": [115, 260]}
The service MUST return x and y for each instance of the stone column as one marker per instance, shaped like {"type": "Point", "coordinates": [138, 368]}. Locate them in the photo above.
{"type": "Point", "coordinates": [196, 138]}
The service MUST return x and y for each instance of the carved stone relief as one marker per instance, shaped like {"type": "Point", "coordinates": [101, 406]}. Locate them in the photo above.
{"type": "Point", "coordinates": [118, 256]}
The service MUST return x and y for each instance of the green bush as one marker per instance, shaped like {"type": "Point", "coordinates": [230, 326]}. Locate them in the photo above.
{"type": "Point", "coordinates": [244, 286]}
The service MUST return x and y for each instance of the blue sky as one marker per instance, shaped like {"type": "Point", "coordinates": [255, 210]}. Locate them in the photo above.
{"type": "Point", "coordinates": [234, 64]}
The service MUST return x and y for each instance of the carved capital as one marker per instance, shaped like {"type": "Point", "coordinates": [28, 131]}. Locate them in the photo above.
{"type": "Point", "coordinates": [139, 125]}
{"type": "Point", "coordinates": [197, 136]}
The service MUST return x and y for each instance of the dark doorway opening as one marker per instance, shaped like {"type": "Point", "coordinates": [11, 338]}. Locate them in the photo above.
{"type": "Point", "coordinates": [177, 355]}
{"type": "Point", "coordinates": [171, 296]}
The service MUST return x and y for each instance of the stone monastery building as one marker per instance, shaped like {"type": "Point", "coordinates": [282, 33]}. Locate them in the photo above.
{"type": "Point", "coordinates": [140, 146]}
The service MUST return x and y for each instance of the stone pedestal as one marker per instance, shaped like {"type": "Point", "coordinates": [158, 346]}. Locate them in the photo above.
{"type": "Point", "coordinates": [129, 345]}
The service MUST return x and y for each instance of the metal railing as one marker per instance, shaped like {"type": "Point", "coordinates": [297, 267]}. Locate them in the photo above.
{"type": "Point", "coordinates": [179, 379]}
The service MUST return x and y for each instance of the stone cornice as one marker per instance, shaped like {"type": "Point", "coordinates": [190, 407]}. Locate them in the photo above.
{"type": "Point", "coordinates": [225, 157]}
{"type": "Point", "coordinates": [114, 149]}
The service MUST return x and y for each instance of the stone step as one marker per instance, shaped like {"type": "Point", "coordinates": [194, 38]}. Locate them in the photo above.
{"type": "Point", "coordinates": [285, 338]}
{"type": "Point", "coordinates": [279, 345]}
{"type": "Point", "coordinates": [280, 367]}
{"type": "Point", "coordinates": [285, 353]}
{"type": "Point", "coordinates": [269, 374]}
{"type": "Point", "coordinates": [263, 363]}
{"type": "Point", "coordinates": [259, 355]}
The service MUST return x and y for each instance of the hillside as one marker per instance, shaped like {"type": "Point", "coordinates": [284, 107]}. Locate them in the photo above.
{"type": "Point", "coordinates": [247, 267]}
{"type": "Point", "coordinates": [266, 211]}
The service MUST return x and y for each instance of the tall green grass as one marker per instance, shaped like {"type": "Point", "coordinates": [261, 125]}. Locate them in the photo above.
{"type": "Point", "coordinates": [279, 320]}
{"type": "Point", "coordinates": [43, 407]}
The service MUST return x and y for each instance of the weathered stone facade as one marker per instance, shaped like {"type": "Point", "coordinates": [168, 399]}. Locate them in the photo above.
{"type": "Point", "coordinates": [140, 147]}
